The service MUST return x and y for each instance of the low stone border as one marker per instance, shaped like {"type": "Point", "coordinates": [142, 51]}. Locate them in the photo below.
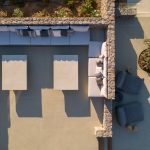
{"type": "Point", "coordinates": [126, 12]}
{"type": "Point", "coordinates": [46, 21]}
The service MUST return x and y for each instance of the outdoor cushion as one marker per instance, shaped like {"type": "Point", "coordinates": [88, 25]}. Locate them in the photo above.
{"type": "Point", "coordinates": [38, 40]}
{"type": "Point", "coordinates": [63, 40]}
{"type": "Point", "coordinates": [93, 88]}
{"type": "Point", "coordinates": [56, 33]}
{"type": "Point", "coordinates": [14, 28]}
{"type": "Point", "coordinates": [44, 33]}
{"type": "Point", "coordinates": [23, 32]}
{"type": "Point", "coordinates": [79, 28]}
{"type": "Point", "coordinates": [80, 38]}
{"type": "Point", "coordinates": [128, 83]}
{"type": "Point", "coordinates": [39, 27]}
{"type": "Point", "coordinates": [3, 28]}
{"type": "Point", "coordinates": [131, 113]}
{"type": "Point", "coordinates": [104, 49]}
{"type": "Point", "coordinates": [94, 48]}
{"type": "Point", "coordinates": [57, 27]}
{"type": "Point", "coordinates": [19, 40]}
{"type": "Point", "coordinates": [93, 69]}
{"type": "Point", "coordinates": [64, 32]}
{"type": "Point", "coordinates": [4, 38]}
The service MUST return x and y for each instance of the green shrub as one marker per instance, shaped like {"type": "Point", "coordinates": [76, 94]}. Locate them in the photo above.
{"type": "Point", "coordinates": [70, 3]}
{"type": "Point", "coordinates": [87, 7]}
{"type": "Point", "coordinates": [3, 13]}
{"type": "Point", "coordinates": [17, 12]}
{"type": "Point", "coordinates": [62, 12]}
{"type": "Point", "coordinates": [41, 14]}
{"type": "Point", "coordinates": [95, 13]}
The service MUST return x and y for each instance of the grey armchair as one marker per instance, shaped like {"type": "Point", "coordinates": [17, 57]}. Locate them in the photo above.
{"type": "Point", "coordinates": [130, 114]}
{"type": "Point", "coordinates": [128, 82]}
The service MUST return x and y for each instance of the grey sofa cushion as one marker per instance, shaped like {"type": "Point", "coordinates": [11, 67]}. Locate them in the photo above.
{"type": "Point", "coordinates": [4, 38]}
{"type": "Point", "coordinates": [64, 32]}
{"type": "Point", "coordinates": [44, 33]}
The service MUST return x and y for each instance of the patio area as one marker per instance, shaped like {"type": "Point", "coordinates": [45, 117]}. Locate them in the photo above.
{"type": "Point", "coordinates": [43, 118]}
{"type": "Point", "coordinates": [130, 34]}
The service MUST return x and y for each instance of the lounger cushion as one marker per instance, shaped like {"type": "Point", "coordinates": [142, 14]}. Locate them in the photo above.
{"type": "Point", "coordinates": [80, 38]}
{"type": "Point", "coordinates": [19, 40]}
{"type": "Point", "coordinates": [93, 69]}
{"type": "Point", "coordinates": [79, 28]}
{"type": "Point", "coordinates": [94, 48]}
{"type": "Point", "coordinates": [93, 88]}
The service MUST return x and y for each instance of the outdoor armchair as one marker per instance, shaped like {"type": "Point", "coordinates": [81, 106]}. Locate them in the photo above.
{"type": "Point", "coordinates": [128, 82]}
{"type": "Point", "coordinates": [130, 114]}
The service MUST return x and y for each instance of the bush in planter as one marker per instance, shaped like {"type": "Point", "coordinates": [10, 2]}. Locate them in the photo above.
{"type": "Point", "coordinates": [3, 13]}
{"type": "Point", "coordinates": [87, 7]}
{"type": "Point", "coordinates": [41, 14]}
{"type": "Point", "coordinates": [17, 12]}
{"type": "Point", "coordinates": [62, 12]}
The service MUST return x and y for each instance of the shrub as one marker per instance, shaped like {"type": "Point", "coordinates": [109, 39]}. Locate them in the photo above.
{"type": "Point", "coordinates": [87, 7]}
{"type": "Point", "coordinates": [70, 3]}
{"type": "Point", "coordinates": [95, 13]}
{"type": "Point", "coordinates": [41, 14]}
{"type": "Point", "coordinates": [17, 12]}
{"type": "Point", "coordinates": [62, 12]}
{"type": "Point", "coordinates": [3, 13]}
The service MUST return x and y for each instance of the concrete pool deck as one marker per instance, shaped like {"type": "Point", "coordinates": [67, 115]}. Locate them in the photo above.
{"type": "Point", "coordinates": [130, 33]}
{"type": "Point", "coordinates": [42, 118]}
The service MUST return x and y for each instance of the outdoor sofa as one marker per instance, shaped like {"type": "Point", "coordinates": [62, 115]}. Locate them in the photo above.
{"type": "Point", "coordinates": [130, 113]}
{"type": "Point", "coordinates": [97, 50]}
{"type": "Point", "coordinates": [63, 35]}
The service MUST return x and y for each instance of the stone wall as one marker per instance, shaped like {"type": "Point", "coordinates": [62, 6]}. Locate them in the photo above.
{"type": "Point", "coordinates": [106, 131]}
{"type": "Point", "coordinates": [46, 21]}
{"type": "Point", "coordinates": [111, 48]}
